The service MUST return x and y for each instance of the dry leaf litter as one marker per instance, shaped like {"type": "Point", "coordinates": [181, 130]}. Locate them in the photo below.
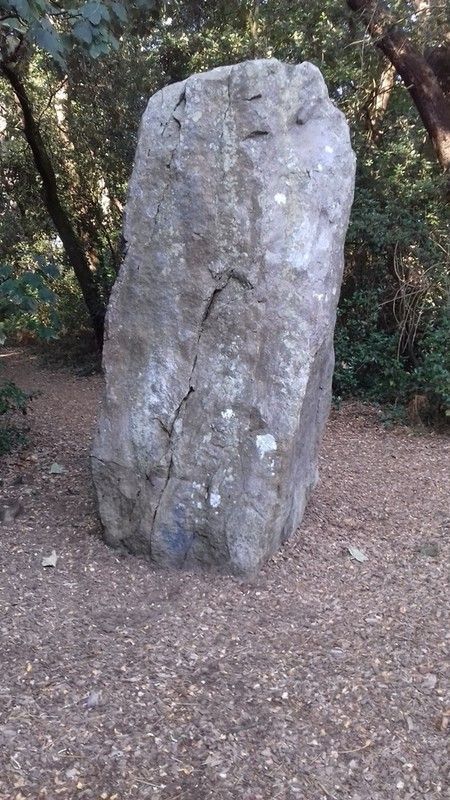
{"type": "Point", "coordinates": [323, 677]}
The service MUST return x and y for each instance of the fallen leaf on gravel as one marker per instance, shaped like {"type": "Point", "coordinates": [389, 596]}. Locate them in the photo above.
{"type": "Point", "coordinates": [444, 720]}
{"type": "Point", "coordinates": [9, 512]}
{"type": "Point", "coordinates": [429, 681]}
{"type": "Point", "coordinates": [213, 760]}
{"type": "Point", "coordinates": [94, 699]}
{"type": "Point", "coordinates": [357, 554]}
{"type": "Point", "coordinates": [50, 561]}
{"type": "Point", "coordinates": [71, 773]}
{"type": "Point", "coordinates": [186, 769]}
{"type": "Point", "coordinates": [56, 469]}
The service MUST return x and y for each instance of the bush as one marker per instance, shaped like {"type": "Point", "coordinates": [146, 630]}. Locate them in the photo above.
{"type": "Point", "coordinates": [370, 364]}
{"type": "Point", "coordinates": [366, 356]}
{"type": "Point", "coordinates": [12, 401]}
{"type": "Point", "coordinates": [431, 377]}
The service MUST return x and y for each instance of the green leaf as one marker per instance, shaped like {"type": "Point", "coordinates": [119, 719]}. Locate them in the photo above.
{"type": "Point", "coordinates": [45, 332]}
{"type": "Point", "coordinates": [23, 9]}
{"type": "Point", "coordinates": [50, 269]}
{"type": "Point", "coordinates": [14, 24]}
{"type": "Point", "coordinates": [115, 44]}
{"type": "Point", "coordinates": [28, 304]}
{"type": "Point", "coordinates": [5, 272]}
{"type": "Point", "coordinates": [12, 290]}
{"type": "Point", "coordinates": [32, 279]}
{"type": "Point", "coordinates": [92, 11]}
{"type": "Point", "coordinates": [49, 40]}
{"type": "Point", "coordinates": [82, 30]}
{"type": "Point", "coordinates": [120, 11]}
{"type": "Point", "coordinates": [46, 294]}
{"type": "Point", "coordinates": [99, 48]}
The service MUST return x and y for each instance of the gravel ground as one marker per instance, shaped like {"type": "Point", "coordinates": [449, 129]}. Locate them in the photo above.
{"type": "Point", "coordinates": [323, 677]}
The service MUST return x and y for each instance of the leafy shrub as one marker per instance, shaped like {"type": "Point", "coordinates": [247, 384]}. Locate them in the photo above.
{"type": "Point", "coordinates": [12, 401]}
{"type": "Point", "coordinates": [366, 356]}
{"type": "Point", "coordinates": [370, 365]}
{"type": "Point", "coordinates": [431, 377]}
{"type": "Point", "coordinates": [27, 303]}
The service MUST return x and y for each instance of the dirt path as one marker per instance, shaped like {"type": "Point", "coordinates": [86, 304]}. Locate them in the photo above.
{"type": "Point", "coordinates": [322, 678]}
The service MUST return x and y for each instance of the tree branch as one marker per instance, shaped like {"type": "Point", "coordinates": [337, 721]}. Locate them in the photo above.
{"type": "Point", "coordinates": [417, 75]}
{"type": "Point", "coordinates": [72, 245]}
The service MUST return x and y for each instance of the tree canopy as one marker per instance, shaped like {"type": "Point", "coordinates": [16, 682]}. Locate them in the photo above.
{"type": "Point", "coordinates": [75, 79]}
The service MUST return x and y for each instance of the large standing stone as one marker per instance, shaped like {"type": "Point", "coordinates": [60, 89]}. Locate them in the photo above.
{"type": "Point", "coordinates": [219, 347]}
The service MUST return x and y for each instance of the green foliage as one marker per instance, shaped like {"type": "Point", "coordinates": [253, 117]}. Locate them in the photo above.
{"type": "Point", "coordinates": [26, 300]}
{"type": "Point", "coordinates": [369, 364]}
{"type": "Point", "coordinates": [57, 28]}
{"type": "Point", "coordinates": [392, 332]}
{"type": "Point", "coordinates": [12, 401]}
{"type": "Point", "coordinates": [431, 377]}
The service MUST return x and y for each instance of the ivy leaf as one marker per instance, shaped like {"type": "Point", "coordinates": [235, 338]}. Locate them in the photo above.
{"type": "Point", "coordinates": [14, 25]}
{"type": "Point", "coordinates": [105, 13]}
{"type": "Point", "coordinates": [28, 303]}
{"type": "Point", "coordinates": [12, 290]}
{"type": "Point", "coordinates": [45, 332]}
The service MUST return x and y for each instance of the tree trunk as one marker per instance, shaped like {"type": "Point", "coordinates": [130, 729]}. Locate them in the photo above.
{"type": "Point", "coordinates": [380, 101]}
{"type": "Point", "coordinates": [418, 76]}
{"type": "Point", "coordinates": [71, 243]}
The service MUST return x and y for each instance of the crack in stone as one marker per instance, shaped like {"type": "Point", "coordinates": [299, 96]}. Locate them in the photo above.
{"type": "Point", "coordinates": [182, 99]}
{"type": "Point", "coordinates": [224, 280]}
{"type": "Point", "coordinates": [107, 463]}
{"type": "Point", "coordinates": [233, 275]}
{"type": "Point", "coordinates": [256, 134]}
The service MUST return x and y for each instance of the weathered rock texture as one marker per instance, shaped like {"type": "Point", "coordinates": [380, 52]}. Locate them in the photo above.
{"type": "Point", "coordinates": [219, 353]}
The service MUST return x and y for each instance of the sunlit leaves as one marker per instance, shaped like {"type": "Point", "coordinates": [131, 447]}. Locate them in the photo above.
{"type": "Point", "coordinates": [28, 293]}
{"type": "Point", "coordinates": [95, 25]}
{"type": "Point", "coordinates": [44, 35]}
{"type": "Point", "coordinates": [94, 12]}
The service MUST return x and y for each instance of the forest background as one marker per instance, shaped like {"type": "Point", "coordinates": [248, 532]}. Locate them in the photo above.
{"type": "Point", "coordinates": [74, 81]}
